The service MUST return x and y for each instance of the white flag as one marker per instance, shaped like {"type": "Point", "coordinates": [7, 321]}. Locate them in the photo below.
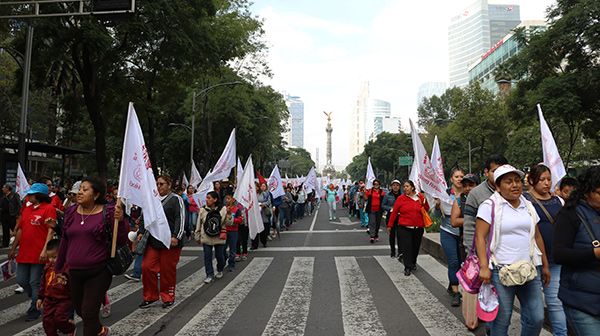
{"type": "Point", "coordinates": [245, 194]}
{"type": "Point", "coordinates": [240, 170]}
{"type": "Point", "coordinates": [195, 178]}
{"type": "Point", "coordinates": [552, 157]}
{"type": "Point", "coordinates": [310, 183]}
{"type": "Point", "coordinates": [21, 184]}
{"type": "Point", "coordinates": [437, 163]}
{"type": "Point", "coordinates": [205, 187]}
{"type": "Point", "coordinates": [275, 183]}
{"type": "Point", "coordinates": [425, 176]}
{"type": "Point", "coordinates": [226, 162]}
{"type": "Point", "coordinates": [370, 175]}
{"type": "Point", "coordinates": [136, 180]}
{"type": "Point", "coordinates": [185, 181]}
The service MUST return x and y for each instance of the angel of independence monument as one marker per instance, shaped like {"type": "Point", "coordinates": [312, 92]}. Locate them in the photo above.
{"type": "Point", "coordinates": [328, 169]}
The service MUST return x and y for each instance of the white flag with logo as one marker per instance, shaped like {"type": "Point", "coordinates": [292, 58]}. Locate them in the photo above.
{"type": "Point", "coordinates": [275, 183]}
{"type": "Point", "coordinates": [246, 195]}
{"type": "Point", "coordinates": [21, 184]}
{"type": "Point", "coordinates": [423, 173]}
{"type": "Point", "coordinates": [552, 157]}
{"type": "Point", "coordinates": [226, 161]}
{"type": "Point", "coordinates": [240, 169]}
{"type": "Point", "coordinates": [136, 180]}
{"type": "Point", "coordinates": [437, 163]}
{"type": "Point", "coordinates": [310, 182]}
{"type": "Point", "coordinates": [195, 178]}
{"type": "Point", "coordinates": [205, 187]}
{"type": "Point", "coordinates": [370, 175]}
{"type": "Point", "coordinates": [185, 181]}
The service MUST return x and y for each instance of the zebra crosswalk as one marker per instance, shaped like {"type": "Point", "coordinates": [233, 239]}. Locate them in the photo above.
{"type": "Point", "coordinates": [293, 303]}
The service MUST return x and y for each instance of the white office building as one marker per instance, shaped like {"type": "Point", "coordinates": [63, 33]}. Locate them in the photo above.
{"type": "Point", "coordinates": [294, 136]}
{"type": "Point", "coordinates": [429, 89]}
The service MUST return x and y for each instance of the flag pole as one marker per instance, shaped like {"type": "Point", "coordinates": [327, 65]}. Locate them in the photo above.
{"type": "Point", "coordinates": [113, 249]}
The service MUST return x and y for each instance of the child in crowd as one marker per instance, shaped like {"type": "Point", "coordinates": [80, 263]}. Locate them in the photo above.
{"type": "Point", "coordinates": [53, 297]}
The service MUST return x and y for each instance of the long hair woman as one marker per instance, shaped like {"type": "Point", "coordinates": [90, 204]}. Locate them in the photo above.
{"type": "Point", "coordinates": [213, 206]}
{"type": "Point", "coordinates": [579, 254]}
{"type": "Point", "coordinates": [407, 211]}
{"type": "Point", "coordinates": [84, 251]}
{"type": "Point", "coordinates": [507, 227]}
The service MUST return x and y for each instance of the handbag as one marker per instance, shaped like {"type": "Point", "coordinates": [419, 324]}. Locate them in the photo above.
{"type": "Point", "coordinates": [427, 222]}
{"type": "Point", "coordinates": [468, 274]}
{"type": "Point", "coordinates": [517, 274]}
{"type": "Point", "coordinates": [123, 258]}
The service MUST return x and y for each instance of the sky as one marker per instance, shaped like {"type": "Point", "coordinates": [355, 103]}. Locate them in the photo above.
{"type": "Point", "coordinates": [321, 50]}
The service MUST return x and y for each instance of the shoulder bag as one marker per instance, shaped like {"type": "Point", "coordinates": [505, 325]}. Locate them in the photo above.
{"type": "Point", "coordinates": [427, 222]}
{"type": "Point", "coordinates": [586, 225]}
{"type": "Point", "coordinates": [123, 256]}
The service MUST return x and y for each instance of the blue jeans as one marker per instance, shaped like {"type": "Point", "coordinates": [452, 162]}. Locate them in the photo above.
{"type": "Point", "coordinates": [29, 277]}
{"type": "Point", "coordinates": [137, 266]}
{"type": "Point", "coordinates": [232, 238]}
{"type": "Point", "coordinates": [532, 306]}
{"type": "Point", "coordinates": [208, 256]}
{"type": "Point", "coordinates": [192, 219]}
{"type": "Point", "coordinates": [450, 244]}
{"type": "Point", "coordinates": [556, 312]}
{"type": "Point", "coordinates": [583, 324]}
{"type": "Point", "coordinates": [332, 208]}
{"type": "Point", "coordinates": [364, 218]}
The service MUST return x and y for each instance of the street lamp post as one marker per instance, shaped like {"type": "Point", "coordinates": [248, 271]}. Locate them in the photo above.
{"type": "Point", "coordinates": [471, 151]}
{"type": "Point", "coordinates": [22, 157]}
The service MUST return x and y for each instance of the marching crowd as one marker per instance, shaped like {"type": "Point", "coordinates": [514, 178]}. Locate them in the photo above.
{"type": "Point", "coordinates": [510, 236]}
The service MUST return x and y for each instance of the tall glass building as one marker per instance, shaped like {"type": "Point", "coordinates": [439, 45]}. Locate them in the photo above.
{"type": "Point", "coordinates": [377, 110]}
{"type": "Point", "coordinates": [295, 136]}
{"type": "Point", "coordinates": [473, 32]}
{"type": "Point", "coordinates": [429, 89]}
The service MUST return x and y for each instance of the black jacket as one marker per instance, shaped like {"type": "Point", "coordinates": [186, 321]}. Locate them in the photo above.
{"type": "Point", "coordinates": [14, 205]}
{"type": "Point", "coordinates": [175, 212]}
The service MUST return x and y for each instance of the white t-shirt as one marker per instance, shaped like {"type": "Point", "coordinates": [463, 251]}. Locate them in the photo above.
{"type": "Point", "coordinates": [515, 236]}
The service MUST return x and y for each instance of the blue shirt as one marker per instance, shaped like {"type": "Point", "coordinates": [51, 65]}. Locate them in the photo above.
{"type": "Point", "coordinates": [553, 206]}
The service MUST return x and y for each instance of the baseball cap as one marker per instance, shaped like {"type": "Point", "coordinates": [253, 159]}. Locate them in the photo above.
{"type": "Point", "coordinates": [38, 188]}
{"type": "Point", "coordinates": [396, 181]}
{"type": "Point", "coordinates": [471, 178]}
{"type": "Point", "coordinates": [487, 303]}
{"type": "Point", "coordinates": [505, 169]}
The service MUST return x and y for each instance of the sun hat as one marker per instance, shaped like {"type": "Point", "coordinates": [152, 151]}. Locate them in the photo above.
{"type": "Point", "coordinates": [505, 169]}
{"type": "Point", "coordinates": [396, 181]}
{"type": "Point", "coordinates": [487, 303]}
{"type": "Point", "coordinates": [470, 178]}
{"type": "Point", "coordinates": [38, 188]}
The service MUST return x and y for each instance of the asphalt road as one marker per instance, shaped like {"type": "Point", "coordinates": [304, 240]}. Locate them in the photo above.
{"type": "Point", "coordinates": [319, 278]}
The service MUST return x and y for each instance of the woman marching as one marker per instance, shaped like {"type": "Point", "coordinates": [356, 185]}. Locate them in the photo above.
{"type": "Point", "coordinates": [510, 247]}
{"type": "Point", "coordinates": [547, 207]}
{"type": "Point", "coordinates": [212, 233]}
{"type": "Point", "coordinates": [374, 198]}
{"type": "Point", "coordinates": [407, 212]}
{"type": "Point", "coordinates": [331, 192]}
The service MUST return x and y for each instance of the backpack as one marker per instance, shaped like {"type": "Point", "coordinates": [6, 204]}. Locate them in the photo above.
{"type": "Point", "coordinates": [212, 223]}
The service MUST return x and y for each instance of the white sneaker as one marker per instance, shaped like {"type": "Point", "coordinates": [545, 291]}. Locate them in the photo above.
{"type": "Point", "coordinates": [208, 280]}
{"type": "Point", "coordinates": [219, 275]}
{"type": "Point", "coordinates": [19, 289]}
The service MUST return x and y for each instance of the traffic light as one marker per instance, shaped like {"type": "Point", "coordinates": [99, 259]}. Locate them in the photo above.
{"type": "Point", "coordinates": [111, 5]}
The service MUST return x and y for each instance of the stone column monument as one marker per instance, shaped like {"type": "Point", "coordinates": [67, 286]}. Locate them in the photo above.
{"type": "Point", "coordinates": [328, 169]}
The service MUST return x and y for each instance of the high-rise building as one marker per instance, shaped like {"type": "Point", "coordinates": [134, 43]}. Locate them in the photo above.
{"type": "Point", "coordinates": [358, 121]}
{"type": "Point", "coordinates": [295, 135]}
{"type": "Point", "coordinates": [377, 110]}
{"type": "Point", "coordinates": [484, 69]}
{"type": "Point", "coordinates": [429, 89]}
{"type": "Point", "coordinates": [473, 32]}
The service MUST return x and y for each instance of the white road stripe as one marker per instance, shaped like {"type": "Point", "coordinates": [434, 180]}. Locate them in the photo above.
{"type": "Point", "coordinates": [115, 294]}
{"type": "Point", "coordinates": [436, 319]}
{"type": "Point", "coordinates": [211, 319]}
{"type": "Point", "coordinates": [359, 313]}
{"type": "Point", "coordinates": [291, 313]}
{"type": "Point", "coordinates": [327, 231]}
{"type": "Point", "coordinates": [439, 273]}
{"type": "Point", "coordinates": [312, 226]}
{"type": "Point", "coordinates": [9, 291]}
{"type": "Point", "coordinates": [323, 248]}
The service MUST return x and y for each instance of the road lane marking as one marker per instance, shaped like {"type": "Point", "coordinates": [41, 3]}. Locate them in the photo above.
{"type": "Point", "coordinates": [312, 226]}
{"type": "Point", "coordinates": [291, 313]}
{"type": "Point", "coordinates": [432, 314]}
{"type": "Point", "coordinates": [328, 231]}
{"type": "Point", "coordinates": [359, 313]}
{"type": "Point", "coordinates": [211, 319]}
{"type": "Point", "coordinates": [115, 294]}
{"type": "Point", "coordinates": [322, 248]}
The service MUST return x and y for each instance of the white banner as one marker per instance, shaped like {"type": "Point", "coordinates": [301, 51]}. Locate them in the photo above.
{"type": "Point", "coordinates": [370, 175]}
{"type": "Point", "coordinates": [240, 170]}
{"type": "Point", "coordinates": [425, 177]}
{"type": "Point", "coordinates": [185, 181]}
{"type": "Point", "coordinates": [21, 184]}
{"type": "Point", "coordinates": [437, 164]}
{"type": "Point", "coordinates": [552, 157]}
{"type": "Point", "coordinates": [195, 178]}
{"type": "Point", "coordinates": [310, 182]}
{"type": "Point", "coordinates": [246, 195]}
{"type": "Point", "coordinates": [136, 180]}
{"type": "Point", "coordinates": [205, 187]}
{"type": "Point", "coordinates": [226, 161]}
{"type": "Point", "coordinates": [275, 183]}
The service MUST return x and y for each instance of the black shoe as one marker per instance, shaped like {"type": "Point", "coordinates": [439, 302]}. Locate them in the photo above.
{"type": "Point", "coordinates": [449, 290]}
{"type": "Point", "coordinates": [265, 245]}
{"type": "Point", "coordinates": [33, 315]}
{"type": "Point", "coordinates": [414, 268]}
{"type": "Point", "coordinates": [455, 300]}
{"type": "Point", "coordinates": [167, 304]}
{"type": "Point", "coordinates": [407, 271]}
{"type": "Point", "coordinates": [393, 255]}
{"type": "Point", "coordinates": [146, 304]}
{"type": "Point", "coordinates": [253, 248]}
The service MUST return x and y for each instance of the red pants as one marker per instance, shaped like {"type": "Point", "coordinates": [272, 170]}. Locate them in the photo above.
{"type": "Point", "coordinates": [56, 316]}
{"type": "Point", "coordinates": [164, 262]}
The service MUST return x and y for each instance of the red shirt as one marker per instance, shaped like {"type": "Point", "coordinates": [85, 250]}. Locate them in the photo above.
{"type": "Point", "coordinates": [235, 210]}
{"type": "Point", "coordinates": [376, 198]}
{"type": "Point", "coordinates": [34, 232]}
{"type": "Point", "coordinates": [49, 287]}
{"type": "Point", "coordinates": [57, 203]}
{"type": "Point", "coordinates": [408, 211]}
